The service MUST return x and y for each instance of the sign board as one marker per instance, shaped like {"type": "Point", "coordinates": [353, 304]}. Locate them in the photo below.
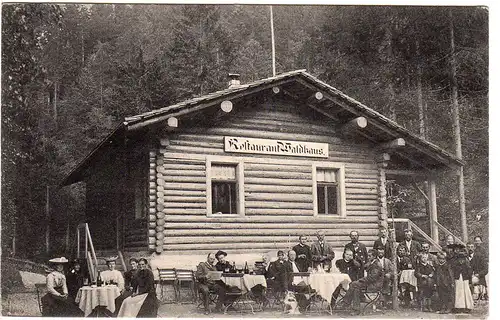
{"type": "Point", "coordinates": [277, 147]}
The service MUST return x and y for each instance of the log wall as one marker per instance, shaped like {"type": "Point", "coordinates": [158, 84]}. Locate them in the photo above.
{"type": "Point", "coordinates": [277, 189]}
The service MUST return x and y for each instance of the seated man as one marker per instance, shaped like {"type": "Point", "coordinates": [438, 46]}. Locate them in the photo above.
{"type": "Point", "coordinates": [348, 266]}
{"type": "Point", "coordinates": [374, 281]}
{"type": "Point", "coordinates": [389, 269]}
{"type": "Point", "coordinates": [222, 264]}
{"type": "Point", "coordinates": [278, 273]}
{"type": "Point", "coordinates": [205, 284]}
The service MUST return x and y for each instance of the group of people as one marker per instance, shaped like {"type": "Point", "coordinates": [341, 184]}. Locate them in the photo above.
{"type": "Point", "coordinates": [449, 274]}
{"type": "Point", "coordinates": [137, 291]}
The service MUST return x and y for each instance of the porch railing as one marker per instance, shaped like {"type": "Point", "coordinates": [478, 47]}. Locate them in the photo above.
{"type": "Point", "coordinates": [448, 232]}
{"type": "Point", "coordinates": [412, 226]}
{"type": "Point", "coordinates": [88, 244]}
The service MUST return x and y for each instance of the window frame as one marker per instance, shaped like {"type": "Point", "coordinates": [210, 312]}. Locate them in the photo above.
{"type": "Point", "coordinates": [341, 196]}
{"type": "Point", "coordinates": [240, 189]}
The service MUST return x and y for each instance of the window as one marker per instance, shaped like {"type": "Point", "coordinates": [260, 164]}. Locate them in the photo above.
{"type": "Point", "coordinates": [225, 195]}
{"type": "Point", "coordinates": [328, 192]}
{"type": "Point", "coordinates": [224, 199]}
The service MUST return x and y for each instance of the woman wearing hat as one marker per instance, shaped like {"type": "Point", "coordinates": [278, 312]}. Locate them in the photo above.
{"type": "Point", "coordinates": [56, 303]}
{"type": "Point", "coordinates": [462, 272]}
{"type": "Point", "coordinates": [112, 275]}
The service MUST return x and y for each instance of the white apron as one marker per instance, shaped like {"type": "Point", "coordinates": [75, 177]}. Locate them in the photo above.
{"type": "Point", "coordinates": [463, 296]}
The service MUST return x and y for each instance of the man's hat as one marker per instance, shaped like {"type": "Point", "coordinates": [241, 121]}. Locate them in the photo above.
{"type": "Point", "coordinates": [59, 260]}
{"type": "Point", "coordinates": [379, 246]}
{"type": "Point", "coordinates": [220, 252]}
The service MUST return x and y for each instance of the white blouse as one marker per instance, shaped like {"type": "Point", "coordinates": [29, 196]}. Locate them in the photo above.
{"type": "Point", "coordinates": [55, 279]}
{"type": "Point", "coordinates": [115, 276]}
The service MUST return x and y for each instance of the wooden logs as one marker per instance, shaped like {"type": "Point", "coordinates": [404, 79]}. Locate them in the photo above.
{"type": "Point", "coordinates": [382, 162]}
{"type": "Point", "coordinates": [155, 180]}
{"type": "Point", "coordinates": [226, 106]}
{"type": "Point", "coordinates": [172, 123]}
{"type": "Point", "coordinates": [353, 125]}
{"type": "Point", "coordinates": [393, 144]}
{"type": "Point", "coordinates": [276, 90]}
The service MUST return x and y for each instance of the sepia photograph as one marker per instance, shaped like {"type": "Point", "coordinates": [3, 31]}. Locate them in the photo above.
{"type": "Point", "coordinates": [245, 161]}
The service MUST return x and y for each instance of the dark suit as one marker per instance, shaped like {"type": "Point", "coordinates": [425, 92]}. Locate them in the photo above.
{"type": "Point", "coordinates": [351, 268]}
{"type": "Point", "coordinates": [479, 266]}
{"type": "Point", "coordinates": [386, 246]}
{"type": "Point", "coordinates": [414, 249]}
{"type": "Point", "coordinates": [303, 263]}
{"type": "Point", "coordinates": [445, 284]}
{"type": "Point", "coordinates": [403, 263]}
{"type": "Point", "coordinates": [322, 253]}
{"type": "Point", "coordinates": [374, 281]}
{"type": "Point", "coordinates": [360, 254]}
{"type": "Point", "coordinates": [279, 275]}
{"type": "Point", "coordinates": [204, 284]}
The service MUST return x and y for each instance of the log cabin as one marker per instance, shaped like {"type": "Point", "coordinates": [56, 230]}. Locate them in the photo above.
{"type": "Point", "coordinates": [247, 170]}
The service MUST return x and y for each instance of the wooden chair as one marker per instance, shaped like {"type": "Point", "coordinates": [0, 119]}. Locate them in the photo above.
{"type": "Point", "coordinates": [185, 276]}
{"type": "Point", "coordinates": [371, 299]}
{"type": "Point", "coordinates": [167, 277]}
{"type": "Point", "coordinates": [41, 289]}
{"type": "Point", "coordinates": [237, 297]}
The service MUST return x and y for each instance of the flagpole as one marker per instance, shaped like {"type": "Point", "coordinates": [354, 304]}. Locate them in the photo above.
{"type": "Point", "coordinates": [272, 41]}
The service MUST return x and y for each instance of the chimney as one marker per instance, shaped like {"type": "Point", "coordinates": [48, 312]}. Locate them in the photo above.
{"type": "Point", "coordinates": [234, 80]}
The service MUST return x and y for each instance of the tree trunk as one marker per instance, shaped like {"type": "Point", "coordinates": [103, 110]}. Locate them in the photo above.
{"type": "Point", "coordinates": [421, 114]}
{"type": "Point", "coordinates": [55, 103]}
{"type": "Point", "coordinates": [47, 218]}
{"type": "Point", "coordinates": [456, 128]}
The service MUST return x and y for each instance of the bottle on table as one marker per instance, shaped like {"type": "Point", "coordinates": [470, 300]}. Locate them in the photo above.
{"type": "Point", "coordinates": [234, 267]}
{"type": "Point", "coordinates": [99, 279]}
{"type": "Point", "coordinates": [246, 270]}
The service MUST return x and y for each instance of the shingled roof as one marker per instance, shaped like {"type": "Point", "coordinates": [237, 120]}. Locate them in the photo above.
{"type": "Point", "coordinates": [298, 79]}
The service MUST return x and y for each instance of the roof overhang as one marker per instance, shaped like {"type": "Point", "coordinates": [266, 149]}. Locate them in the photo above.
{"type": "Point", "coordinates": [380, 128]}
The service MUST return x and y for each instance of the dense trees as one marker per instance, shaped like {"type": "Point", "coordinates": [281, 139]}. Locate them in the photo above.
{"type": "Point", "coordinates": [70, 73]}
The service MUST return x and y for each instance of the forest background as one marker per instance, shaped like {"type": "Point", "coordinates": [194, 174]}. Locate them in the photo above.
{"type": "Point", "coordinates": [71, 73]}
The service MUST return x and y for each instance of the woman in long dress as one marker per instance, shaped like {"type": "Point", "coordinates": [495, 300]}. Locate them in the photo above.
{"type": "Point", "coordinates": [56, 302]}
{"type": "Point", "coordinates": [462, 273]}
{"type": "Point", "coordinates": [143, 302]}
{"type": "Point", "coordinates": [130, 283]}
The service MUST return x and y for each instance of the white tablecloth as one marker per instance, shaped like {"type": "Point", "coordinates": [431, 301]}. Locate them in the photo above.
{"type": "Point", "coordinates": [88, 298]}
{"type": "Point", "coordinates": [325, 283]}
{"type": "Point", "coordinates": [408, 276]}
{"type": "Point", "coordinates": [249, 281]}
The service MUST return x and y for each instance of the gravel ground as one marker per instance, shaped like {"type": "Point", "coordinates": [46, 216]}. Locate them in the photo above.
{"type": "Point", "coordinates": [25, 305]}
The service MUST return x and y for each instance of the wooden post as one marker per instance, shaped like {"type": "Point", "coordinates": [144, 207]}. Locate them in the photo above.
{"type": "Point", "coordinates": [433, 216]}
{"type": "Point", "coordinates": [382, 162]}
{"type": "Point", "coordinates": [272, 41]}
{"type": "Point", "coordinates": [226, 106]}
{"type": "Point", "coordinates": [47, 219]}
{"type": "Point", "coordinates": [14, 238]}
{"type": "Point", "coordinates": [456, 130]}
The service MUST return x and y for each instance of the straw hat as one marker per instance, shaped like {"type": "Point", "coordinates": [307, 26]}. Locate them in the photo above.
{"type": "Point", "coordinates": [111, 259]}
{"type": "Point", "coordinates": [59, 260]}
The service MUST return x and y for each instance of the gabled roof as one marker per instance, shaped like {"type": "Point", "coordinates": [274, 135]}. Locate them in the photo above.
{"type": "Point", "coordinates": [381, 127]}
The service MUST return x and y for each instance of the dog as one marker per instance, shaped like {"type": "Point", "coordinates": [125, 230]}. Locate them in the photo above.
{"type": "Point", "coordinates": [290, 304]}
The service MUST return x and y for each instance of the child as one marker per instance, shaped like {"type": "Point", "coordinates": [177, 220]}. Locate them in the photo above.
{"type": "Point", "coordinates": [424, 272]}
{"type": "Point", "coordinates": [462, 273]}
{"type": "Point", "coordinates": [445, 283]}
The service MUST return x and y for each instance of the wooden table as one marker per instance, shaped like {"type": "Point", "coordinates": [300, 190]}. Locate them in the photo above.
{"type": "Point", "coordinates": [88, 298]}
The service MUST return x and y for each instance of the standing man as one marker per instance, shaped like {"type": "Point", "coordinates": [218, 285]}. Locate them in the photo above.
{"type": "Point", "coordinates": [383, 240]}
{"type": "Point", "coordinates": [359, 250]}
{"type": "Point", "coordinates": [412, 245]}
{"type": "Point", "coordinates": [322, 252]}
{"type": "Point", "coordinates": [304, 256]}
